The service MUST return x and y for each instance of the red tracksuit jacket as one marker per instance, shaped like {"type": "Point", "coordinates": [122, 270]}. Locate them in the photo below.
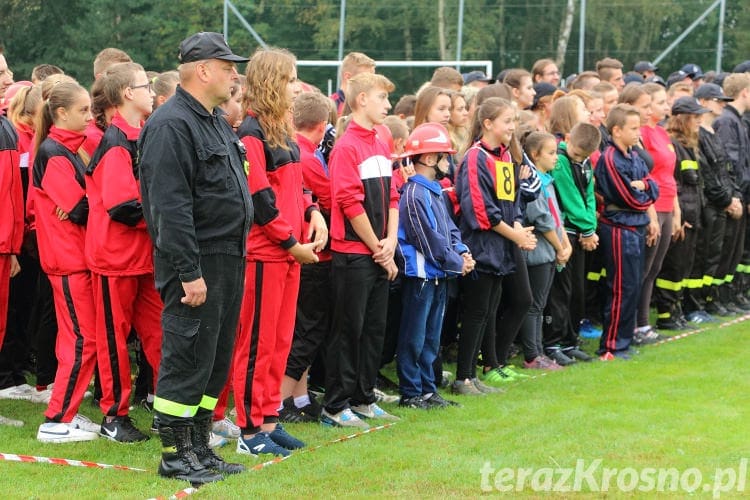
{"type": "Point", "coordinates": [58, 181]}
{"type": "Point", "coordinates": [360, 184]}
{"type": "Point", "coordinates": [117, 242]}
{"type": "Point", "coordinates": [316, 179]}
{"type": "Point", "coordinates": [11, 192]}
{"type": "Point", "coordinates": [275, 180]}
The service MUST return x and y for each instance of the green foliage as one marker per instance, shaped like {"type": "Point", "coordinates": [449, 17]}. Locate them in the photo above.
{"type": "Point", "coordinates": [508, 32]}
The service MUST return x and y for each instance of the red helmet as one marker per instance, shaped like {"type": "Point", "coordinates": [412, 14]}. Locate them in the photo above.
{"type": "Point", "coordinates": [428, 138]}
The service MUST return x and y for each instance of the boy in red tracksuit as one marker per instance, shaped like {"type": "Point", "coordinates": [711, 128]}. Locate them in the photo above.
{"type": "Point", "coordinates": [364, 224]}
{"type": "Point", "coordinates": [119, 251]}
{"type": "Point", "coordinates": [274, 252]}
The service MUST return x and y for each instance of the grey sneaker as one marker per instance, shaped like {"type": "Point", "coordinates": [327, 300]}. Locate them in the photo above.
{"type": "Point", "coordinates": [486, 388]}
{"type": "Point", "coordinates": [225, 428]}
{"type": "Point", "coordinates": [465, 387]}
{"type": "Point", "coordinates": [384, 397]}
{"type": "Point", "coordinates": [374, 411]}
{"type": "Point", "coordinates": [344, 418]}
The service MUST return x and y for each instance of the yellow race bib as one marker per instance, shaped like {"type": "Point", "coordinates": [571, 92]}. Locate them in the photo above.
{"type": "Point", "coordinates": [505, 183]}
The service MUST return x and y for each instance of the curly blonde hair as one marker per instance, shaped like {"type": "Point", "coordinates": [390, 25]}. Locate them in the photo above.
{"type": "Point", "coordinates": [268, 74]}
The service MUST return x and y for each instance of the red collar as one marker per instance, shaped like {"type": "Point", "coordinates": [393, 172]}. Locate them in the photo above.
{"type": "Point", "coordinates": [131, 133]}
{"type": "Point", "coordinates": [70, 139]}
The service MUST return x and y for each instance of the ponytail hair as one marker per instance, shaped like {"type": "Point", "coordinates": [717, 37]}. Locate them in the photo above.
{"type": "Point", "coordinates": [61, 95]}
{"type": "Point", "coordinates": [490, 109]}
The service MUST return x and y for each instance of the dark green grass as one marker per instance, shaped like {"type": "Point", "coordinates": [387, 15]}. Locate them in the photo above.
{"type": "Point", "coordinates": [679, 405]}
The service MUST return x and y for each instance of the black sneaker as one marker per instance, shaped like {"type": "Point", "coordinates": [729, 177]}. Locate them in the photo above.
{"type": "Point", "coordinates": [437, 401]}
{"type": "Point", "coordinates": [559, 357]}
{"type": "Point", "coordinates": [122, 430]}
{"type": "Point", "coordinates": [575, 353]}
{"type": "Point", "coordinates": [293, 415]}
{"type": "Point", "coordinates": [668, 324]}
{"type": "Point", "coordinates": [415, 402]}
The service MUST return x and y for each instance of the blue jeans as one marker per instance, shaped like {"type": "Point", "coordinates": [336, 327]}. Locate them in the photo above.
{"type": "Point", "coordinates": [419, 334]}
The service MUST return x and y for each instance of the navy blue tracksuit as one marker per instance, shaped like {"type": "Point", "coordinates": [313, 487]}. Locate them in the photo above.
{"type": "Point", "coordinates": [622, 240]}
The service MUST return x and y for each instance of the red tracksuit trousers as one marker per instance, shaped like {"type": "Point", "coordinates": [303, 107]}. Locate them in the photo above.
{"type": "Point", "coordinates": [76, 343]}
{"type": "Point", "coordinates": [263, 340]}
{"type": "Point", "coordinates": [122, 303]}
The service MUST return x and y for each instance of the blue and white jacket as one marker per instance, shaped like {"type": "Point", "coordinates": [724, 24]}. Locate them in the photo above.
{"type": "Point", "coordinates": [429, 243]}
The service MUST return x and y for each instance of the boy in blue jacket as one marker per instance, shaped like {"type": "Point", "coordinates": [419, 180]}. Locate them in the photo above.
{"type": "Point", "coordinates": [430, 250]}
{"type": "Point", "coordinates": [627, 190]}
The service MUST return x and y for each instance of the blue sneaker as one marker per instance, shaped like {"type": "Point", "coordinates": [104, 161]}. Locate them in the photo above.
{"type": "Point", "coordinates": [587, 330]}
{"type": "Point", "coordinates": [284, 439]}
{"type": "Point", "coordinates": [260, 444]}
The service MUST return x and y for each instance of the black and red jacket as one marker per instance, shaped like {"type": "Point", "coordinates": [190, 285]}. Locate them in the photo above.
{"type": "Point", "coordinates": [360, 184]}
{"type": "Point", "coordinates": [11, 191]}
{"type": "Point", "coordinates": [275, 181]}
{"type": "Point", "coordinates": [117, 241]}
{"type": "Point", "coordinates": [315, 175]}
{"type": "Point", "coordinates": [58, 181]}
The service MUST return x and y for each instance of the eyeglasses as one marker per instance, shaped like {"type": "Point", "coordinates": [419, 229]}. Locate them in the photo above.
{"type": "Point", "coordinates": [144, 86]}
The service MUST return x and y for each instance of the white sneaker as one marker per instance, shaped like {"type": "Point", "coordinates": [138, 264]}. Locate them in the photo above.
{"type": "Point", "coordinates": [59, 432]}
{"type": "Point", "coordinates": [85, 424]}
{"type": "Point", "coordinates": [225, 428]}
{"type": "Point", "coordinates": [41, 397]}
{"type": "Point", "coordinates": [217, 441]}
{"type": "Point", "coordinates": [374, 411]}
{"type": "Point", "coordinates": [10, 421]}
{"type": "Point", "coordinates": [17, 392]}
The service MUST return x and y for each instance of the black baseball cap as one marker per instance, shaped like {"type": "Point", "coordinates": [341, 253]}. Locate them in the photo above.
{"type": "Point", "coordinates": [743, 67]}
{"type": "Point", "coordinates": [542, 89]}
{"type": "Point", "coordinates": [476, 76]}
{"type": "Point", "coordinates": [688, 106]}
{"type": "Point", "coordinates": [632, 77]}
{"type": "Point", "coordinates": [642, 66]}
{"type": "Point", "coordinates": [693, 71]}
{"type": "Point", "coordinates": [711, 91]}
{"type": "Point", "coordinates": [207, 45]}
{"type": "Point", "coordinates": [656, 79]}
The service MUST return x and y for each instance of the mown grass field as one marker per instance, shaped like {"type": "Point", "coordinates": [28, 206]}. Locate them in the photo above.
{"type": "Point", "coordinates": [683, 405]}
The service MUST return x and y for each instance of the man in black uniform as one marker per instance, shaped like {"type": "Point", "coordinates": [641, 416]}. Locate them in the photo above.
{"type": "Point", "coordinates": [198, 211]}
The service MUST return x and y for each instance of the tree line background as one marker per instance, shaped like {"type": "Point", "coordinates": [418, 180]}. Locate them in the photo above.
{"type": "Point", "coordinates": [511, 33]}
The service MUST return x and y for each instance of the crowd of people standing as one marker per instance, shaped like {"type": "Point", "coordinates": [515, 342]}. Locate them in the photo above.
{"type": "Point", "coordinates": [251, 235]}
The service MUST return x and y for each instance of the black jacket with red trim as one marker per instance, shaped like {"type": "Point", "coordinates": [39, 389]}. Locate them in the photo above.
{"type": "Point", "coordinates": [624, 205]}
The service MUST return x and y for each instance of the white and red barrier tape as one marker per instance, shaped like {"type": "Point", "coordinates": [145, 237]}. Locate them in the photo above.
{"type": "Point", "coordinates": [10, 457]}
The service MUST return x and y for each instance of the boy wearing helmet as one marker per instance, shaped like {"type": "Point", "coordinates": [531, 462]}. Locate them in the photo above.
{"type": "Point", "coordinates": [430, 251]}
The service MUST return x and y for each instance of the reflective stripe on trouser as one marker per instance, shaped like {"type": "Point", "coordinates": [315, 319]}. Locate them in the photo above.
{"type": "Point", "coordinates": [197, 341]}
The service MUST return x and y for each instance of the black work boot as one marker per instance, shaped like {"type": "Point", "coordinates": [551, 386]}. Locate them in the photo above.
{"type": "Point", "coordinates": [206, 455]}
{"type": "Point", "coordinates": [178, 460]}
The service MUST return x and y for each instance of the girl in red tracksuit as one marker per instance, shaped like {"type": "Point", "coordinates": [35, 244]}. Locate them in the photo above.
{"type": "Point", "coordinates": [274, 252]}
{"type": "Point", "coordinates": [61, 211]}
{"type": "Point", "coordinates": [119, 250]}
